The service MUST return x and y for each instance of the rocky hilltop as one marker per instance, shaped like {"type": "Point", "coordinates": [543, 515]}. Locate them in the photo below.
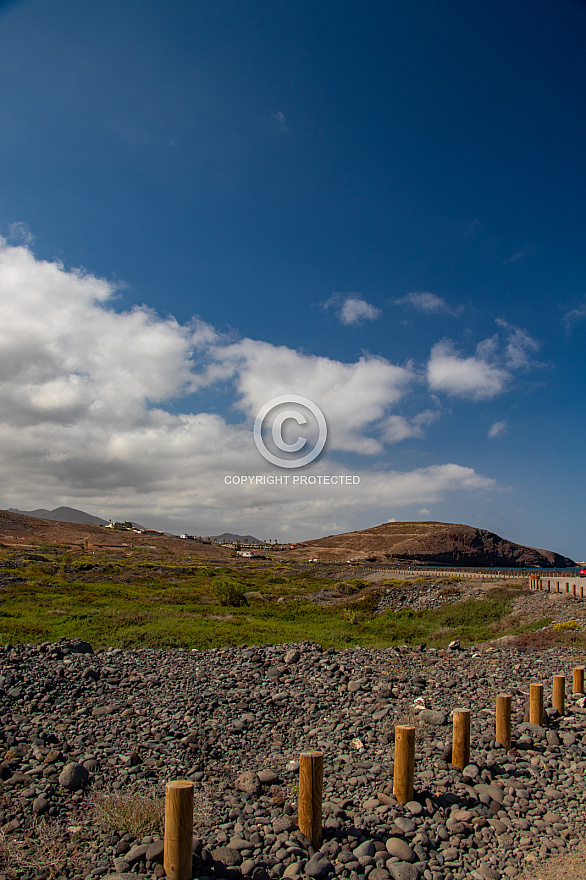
{"type": "Point", "coordinates": [433, 543]}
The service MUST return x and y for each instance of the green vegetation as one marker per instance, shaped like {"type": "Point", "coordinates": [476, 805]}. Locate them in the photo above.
{"type": "Point", "coordinates": [230, 592]}
{"type": "Point", "coordinates": [568, 624]}
{"type": "Point", "coordinates": [157, 600]}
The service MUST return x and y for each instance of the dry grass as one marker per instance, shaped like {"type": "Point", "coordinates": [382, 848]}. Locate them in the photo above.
{"type": "Point", "coordinates": [41, 849]}
{"type": "Point", "coordinates": [411, 717]}
{"type": "Point", "coordinates": [133, 813]}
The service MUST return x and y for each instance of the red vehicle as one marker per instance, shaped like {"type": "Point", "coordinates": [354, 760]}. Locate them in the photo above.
{"type": "Point", "coordinates": [582, 573]}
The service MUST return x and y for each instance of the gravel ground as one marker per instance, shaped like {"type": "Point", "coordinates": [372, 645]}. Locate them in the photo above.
{"type": "Point", "coordinates": [78, 728]}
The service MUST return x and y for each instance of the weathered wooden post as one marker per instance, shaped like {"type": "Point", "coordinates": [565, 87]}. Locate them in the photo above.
{"type": "Point", "coordinates": [178, 829]}
{"type": "Point", "coordinates": [578, 680]}
{"type": "Point", "coordinates": [461, 738]}
{"type": "Point", "coordinates": [311, 777]}
{"type": "Point", "coordinates": [503, 720]}
{"type": "Point", "coordinates": [559, 693]}
{"type": "Point", "coordinates": [536, 704]}
{"type": "Point", "coordinates": [404, 763]}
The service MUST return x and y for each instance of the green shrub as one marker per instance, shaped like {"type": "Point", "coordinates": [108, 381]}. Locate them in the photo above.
{"type": "Point", "coordinates": [230, 593]}
{"type": "Point", "coordinates": [34, 569]}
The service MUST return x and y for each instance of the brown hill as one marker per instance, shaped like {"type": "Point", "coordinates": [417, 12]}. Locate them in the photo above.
{"type": "Point", "coordinates": [432, 543]}
{"type": "Point", "coordinates": [19, 530]}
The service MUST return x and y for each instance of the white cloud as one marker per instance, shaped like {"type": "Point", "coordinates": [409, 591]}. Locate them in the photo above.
{"type": "Point", "coordinates": [351, 396]}
{"type": "Point", "coordinates": [396, 428]}
{"type": "Point", "coordinates": [497, 430]}
{"type": "Point", "coordinates": [487, 373]}
{"type": "Point", "coordinates": [460, 376]}
{"type": "Point", "coordinates": [86, 417]}
{"type": "Point", "coordinates": [351, 308]}
{"type": "Point", "coordinates": [424, 511]}
{"type": "Point", "coordinates": [519, 346]}
{"type": "Point", "coordinates": [425, 302]}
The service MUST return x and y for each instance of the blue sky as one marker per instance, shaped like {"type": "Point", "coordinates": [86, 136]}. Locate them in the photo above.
{"type": "Point", "coordinates": [377, 206]}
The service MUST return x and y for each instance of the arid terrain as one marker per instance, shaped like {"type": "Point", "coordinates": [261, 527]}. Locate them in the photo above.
{"type": "Point", "coordinates": [129, 660]}
{"type": "Point", "coordinates": [432, 543]}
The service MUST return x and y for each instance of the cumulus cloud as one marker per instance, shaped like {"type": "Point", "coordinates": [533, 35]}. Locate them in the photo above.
{"type": "Point", "coordinates": [497, 430]}
{"type": "Point", "coordinates": [425, 302]}
{"type": "Point", "coordinates": [396, 427]}
{"type": "Point", "coordinates": [475, 377]}
{"type": "Point", "coordinates": [488, 372]}
{"type": "Point", "coordinates": [90, 414]}
{"type": "Point", "coordinates": [351, 396]}
{"type": "Point", "coordinates": [351, 308]}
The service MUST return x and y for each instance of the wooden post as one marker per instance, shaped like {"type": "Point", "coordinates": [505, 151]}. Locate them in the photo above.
{"type": "Point", "coordinates": [503, 720]}
{"type": "Point", "coordinates": [178, 829]}
{"type": "Point", "coordinates": [559, 693]}
{"type": "Point", "coordinates": [578, 680]}
{"type": "Point", "coordinates": [404, 763]}
{"type": "Point", "coordinates": [311, 772]}
{"type": "Point", "coordinates": [461, 738]}
{"type": "Point", "coordinates": [536, 704]}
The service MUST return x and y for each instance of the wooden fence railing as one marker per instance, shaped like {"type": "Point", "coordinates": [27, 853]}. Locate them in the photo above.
{"type": "Point", "coordinates": [556, 584]}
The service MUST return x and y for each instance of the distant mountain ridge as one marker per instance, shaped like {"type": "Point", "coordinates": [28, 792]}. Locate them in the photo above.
{"type": "Point", "coordinates": [72, 515]}
{"type": "Point", "coordinates": [243, 539]}
{"type": "Point", "coordinates": [62, 514]}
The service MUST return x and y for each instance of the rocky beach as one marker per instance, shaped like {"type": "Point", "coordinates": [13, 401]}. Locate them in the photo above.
{"type": "Point", "coordinates": [81, 730]}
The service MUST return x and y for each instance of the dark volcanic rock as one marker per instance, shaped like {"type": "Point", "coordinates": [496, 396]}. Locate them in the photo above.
{"type": "Point", "coordinates": [215, 718]}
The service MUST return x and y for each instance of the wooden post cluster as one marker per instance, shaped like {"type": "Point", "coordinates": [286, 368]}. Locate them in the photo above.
{"type": "Point", "coordinates": [311, 773]}
{"type": "Point", "coordinates": [178, 829]}
{"type": "Point", "coordinates": [405, 734]}
{"type": "Point", "coordinates": [404, 763]}
{"type": "Point", "coordinates": [178, 841]}
{"type": "Point", "coordinates": [179, 804]}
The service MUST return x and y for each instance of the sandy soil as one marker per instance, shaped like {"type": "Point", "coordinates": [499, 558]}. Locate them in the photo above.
{"type": "Point", "coordinates": [571, 866]}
